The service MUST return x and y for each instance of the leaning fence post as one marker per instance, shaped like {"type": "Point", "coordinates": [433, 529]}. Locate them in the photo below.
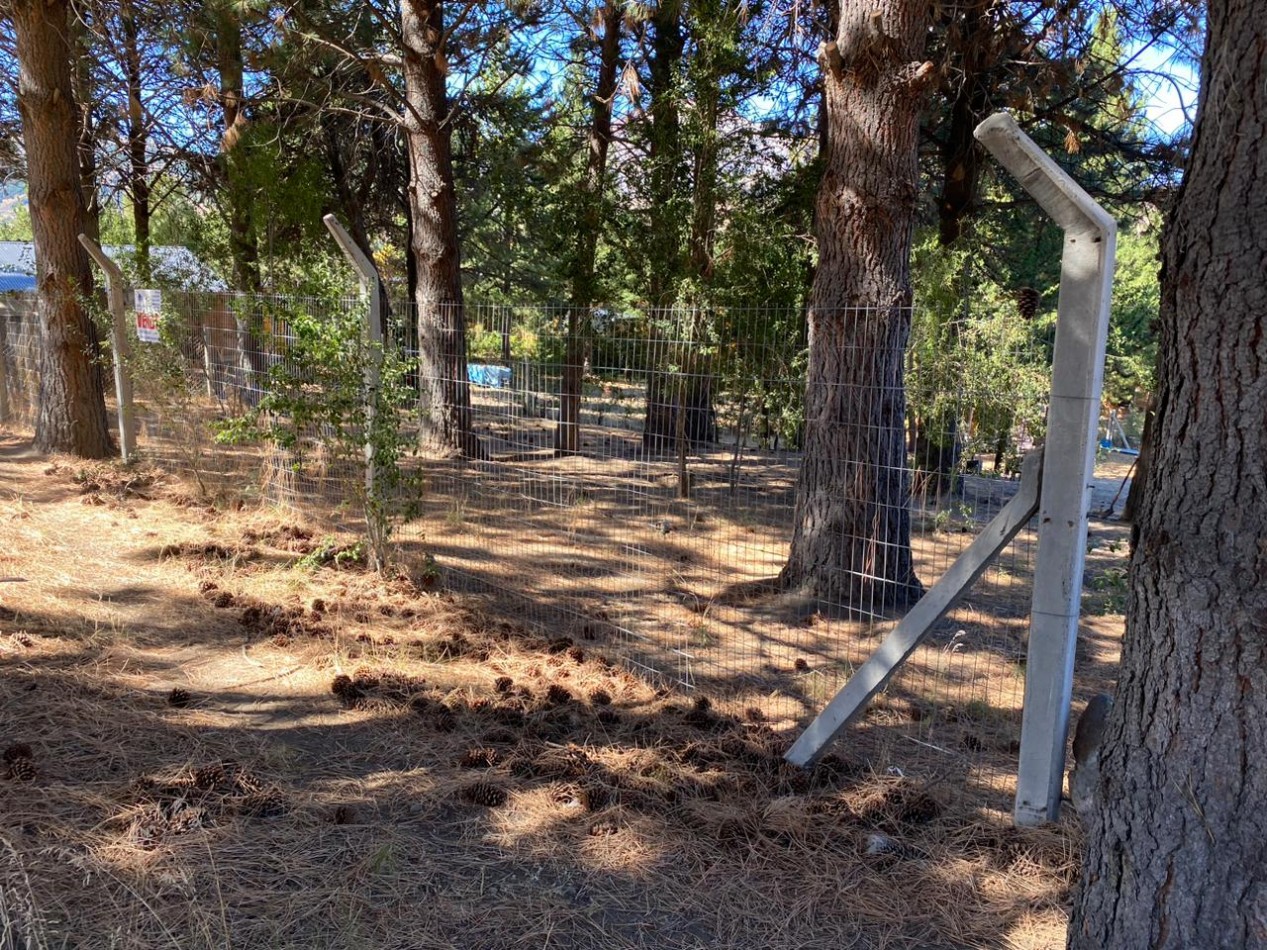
{"type": "Point", "coordinates": [118, 343]}
{"type": "Point", "coordinates": [1086, 283]}
{"type": "Point", "coordinates": [371, 290]}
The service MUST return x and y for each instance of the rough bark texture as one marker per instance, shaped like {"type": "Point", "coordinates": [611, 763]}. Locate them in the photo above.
{"type": "Point", "coordinates": [851, 540]}
{"type": "Point", "coordinates": [1175, 854]}
{"type": "Point", "coordinates": [433, 238]}
{"type": "Point", "coordinates": [589, 223]}
{"type": "Point", "coordinates": [71, 414]}
{"type": "Point", "coordinates": [1143, 465]}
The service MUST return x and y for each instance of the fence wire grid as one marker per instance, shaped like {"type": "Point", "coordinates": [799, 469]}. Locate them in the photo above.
{"type": "Point", "coordinates": [636, 484]}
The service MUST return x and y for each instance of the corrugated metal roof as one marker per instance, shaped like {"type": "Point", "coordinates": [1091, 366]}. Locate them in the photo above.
{"type": "Point", "coordinates": [172, 264]}
{"type": "Point", "coordinates": [16, 283]}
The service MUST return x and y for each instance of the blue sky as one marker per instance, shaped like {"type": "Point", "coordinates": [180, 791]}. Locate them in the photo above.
{"type": "Point", "coordinates": [1165, 99]}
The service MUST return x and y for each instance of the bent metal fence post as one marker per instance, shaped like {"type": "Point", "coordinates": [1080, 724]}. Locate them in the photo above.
{"type": "Point", "coordinates": [1059, 490]}
{"type": "Point", "coordinates": [371, 291]}
{"type": "Point", "coordinates": [115, 288]}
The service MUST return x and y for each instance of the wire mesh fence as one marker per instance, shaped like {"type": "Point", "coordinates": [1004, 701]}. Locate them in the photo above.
{"type": "Point", "coordinates": [657, 480]}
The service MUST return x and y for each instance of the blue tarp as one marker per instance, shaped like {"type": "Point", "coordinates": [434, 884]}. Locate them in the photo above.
{"type": "Point", "coordinates": [484, 374]}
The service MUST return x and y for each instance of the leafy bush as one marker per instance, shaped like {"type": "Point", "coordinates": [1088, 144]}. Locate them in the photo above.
{"type": "Point", "coordinates": [318, 396]}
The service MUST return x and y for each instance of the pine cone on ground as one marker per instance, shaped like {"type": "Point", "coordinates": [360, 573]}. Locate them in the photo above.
{"type": "Point", "coordinates": [18, 750]}
{"type": "Point", "coordinates": [178, 697]}
{"type": "Point", "coordinates": [485, 794]}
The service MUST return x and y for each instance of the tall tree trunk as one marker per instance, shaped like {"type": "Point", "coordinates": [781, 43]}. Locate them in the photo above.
{"type": "Point", "coordinates": [243, 241]}
{"type": "Point", "coordinates": [71, 413]}
{"type": "Point", "coordinates": [851, 538]}
{"type": "Point", "coordinates": [589, 224]}
{"type": "Point", "coordinates": [85, 98]}
{"type": "Point", "coordinates": [138, 141]}
{"type": "Point", "coordinates": [667, 162]}
{"type": "Point", "coordinates": [1175, 848]}
{"type": "Point", "coordinates": [433, 238]}
{"type": "Point", "coordinates": [676, 385]}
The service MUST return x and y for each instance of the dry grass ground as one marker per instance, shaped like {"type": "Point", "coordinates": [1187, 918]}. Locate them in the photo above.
{"type": "Point", "coordinates": [209, 744]}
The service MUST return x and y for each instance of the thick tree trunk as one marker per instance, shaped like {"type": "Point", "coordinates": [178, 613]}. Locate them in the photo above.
{"type": "Point", "coordinates": [1175, 850]}
{"type": "Point", "coordinates": [589, 223]}
{"type": "Point", "coordinates": [851, 537]}
{"type": "Point", "coordinates": [243, 243]}
{"type": "Point", "coordinates": [433, 239]}
{"type": "Point", "coordinates": [71, 413]}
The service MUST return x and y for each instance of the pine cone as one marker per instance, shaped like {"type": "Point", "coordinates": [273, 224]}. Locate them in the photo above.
{"type": "Point", "coordinates": [556, 695]}
{"type": "Point", "coordinates": [478, 757]}
{"type": "Point", "coordinates": [600, 697]}
{"type": "Point", "coordinates": [1028, 301]}
{"type": "Point", "coordinates": [577, 654]}
{"type": "Point", "coordinates": [484, 793]}
{"type": "Point", "coordinates": [18, 750]}
{"type": "Point", "coordinates": [503, 684]}
{"type": "Point", "coordinates": [178, 697]}
{"type": "Point", "coordinates": [22, 770]}
{"type": "Point", "coordinates": [210, 776]}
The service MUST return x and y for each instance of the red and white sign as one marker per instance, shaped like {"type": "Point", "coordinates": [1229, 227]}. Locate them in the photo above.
{"type": "Point", "coordinates": [149, 308]}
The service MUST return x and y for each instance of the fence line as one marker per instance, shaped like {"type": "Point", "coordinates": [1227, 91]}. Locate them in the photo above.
{"type": "Point", "coordinates": [663, 531]}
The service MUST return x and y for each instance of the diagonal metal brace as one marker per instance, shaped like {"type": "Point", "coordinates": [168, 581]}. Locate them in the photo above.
{"type": "Point", "coordinates": [912, 629]}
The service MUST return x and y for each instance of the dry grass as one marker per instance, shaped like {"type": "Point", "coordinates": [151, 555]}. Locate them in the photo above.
{"type": "Point", "coordinates": [360, 763]}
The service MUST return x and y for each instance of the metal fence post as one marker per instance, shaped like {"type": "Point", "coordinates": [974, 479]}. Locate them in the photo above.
{"type": "Point", "coordinates": [118, 342]}
{"type": "Point", "coordinates": [1086, 283]}
{"type": "Point", "coordinates": [370, 289]}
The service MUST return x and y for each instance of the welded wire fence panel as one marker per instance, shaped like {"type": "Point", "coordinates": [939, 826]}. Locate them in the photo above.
{"type": "Point", "coordinates": [633, 477]}
{"type": "Point", "coordinates": [19, 353]}
{"type": "Point", "coordinates": [657, 481]}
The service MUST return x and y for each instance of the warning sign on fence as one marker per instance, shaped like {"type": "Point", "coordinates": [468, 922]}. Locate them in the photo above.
{"type": "Point", "coordinates": [149, 306]}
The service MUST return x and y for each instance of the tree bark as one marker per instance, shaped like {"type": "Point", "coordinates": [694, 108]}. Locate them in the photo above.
{"type": "Point", "coordinates": [1175, 850]}
{"type": "Point", "coordinates": [138, 141]}
{"type": "Point", "coordinates": [433, 239]}
{"type": "Point", "coordinates": [589, 223]}
{"type": "Point", "coordinates": [1143, 464]}
{"type": "Point", "coordinates": [851, 536]}
{"type": "Point", "coordinates": [71, 413]}
{"type": "Point", "coordinates": [243, 243]}
{"type": "Point", "coordinates": [82, 86]}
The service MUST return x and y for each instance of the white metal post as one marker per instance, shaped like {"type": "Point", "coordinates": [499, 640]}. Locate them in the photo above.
{"type": "Point", "coordinates": [118, 342]}
{"type": "Point", "coordinates": [1086, 282]}
{"type": "Point", "coordinates": [367, 273]}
